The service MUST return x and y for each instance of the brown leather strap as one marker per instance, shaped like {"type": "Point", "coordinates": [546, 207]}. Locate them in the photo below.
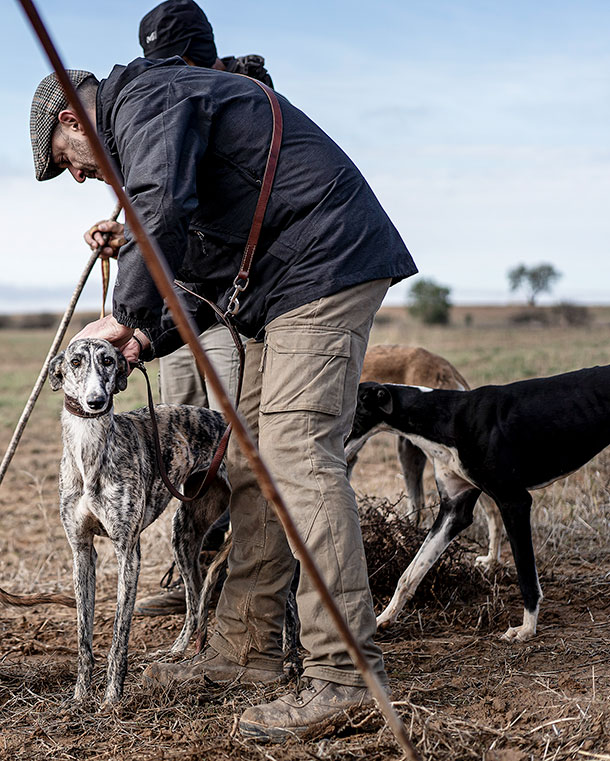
{"type": "Point", "coordinates": [214, 465]}
{"type": "Point", "coordinates": [242, 279]}
{"type": "Point", "coordinates": [226, 321]}
{"type": "Point", "coordinates": [241, 283]}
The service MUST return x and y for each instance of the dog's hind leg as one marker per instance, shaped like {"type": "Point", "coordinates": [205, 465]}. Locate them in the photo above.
{"type": "Point", "coordinates": [189, 526]}
{"type": "Point", "coordinates": [128, 557]}
{"type": "Point", "coordinates": [516, 516]}
{"type": "Point", "coordinates": [209, 583]}
{"type": "Point", "coordinates": [83, 570]}
{"type": "Point", "coordinates": [412, 461]}
{"type": "Point", "coordinates": [293, 664]}
{"type": "Point", "coordinates": [494, 530]}
{"type": "Point", "coordinates": [455, 515]}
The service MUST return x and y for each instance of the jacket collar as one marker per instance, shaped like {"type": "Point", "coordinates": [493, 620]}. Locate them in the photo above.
{"type": "Point", "coordinates": [110, 91]}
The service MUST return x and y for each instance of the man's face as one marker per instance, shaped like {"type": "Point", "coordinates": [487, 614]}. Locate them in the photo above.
{"type": "Point", "coordinates": [70, 150]}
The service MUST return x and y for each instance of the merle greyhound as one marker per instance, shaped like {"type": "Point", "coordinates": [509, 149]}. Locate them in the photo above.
{"type": "Point", "coordinates": [110, 486]}
{"type": "Point", "coordinates": [500, 440]}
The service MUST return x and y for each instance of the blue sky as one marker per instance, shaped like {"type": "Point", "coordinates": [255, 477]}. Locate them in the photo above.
{"type": "Point", "coordinates": [481, 126]}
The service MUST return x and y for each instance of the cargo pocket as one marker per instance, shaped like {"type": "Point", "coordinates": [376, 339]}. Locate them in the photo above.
{"type": "Point", "coordinates": [304, 370]}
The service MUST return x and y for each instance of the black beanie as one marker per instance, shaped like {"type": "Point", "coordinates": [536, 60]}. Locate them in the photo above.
{"type": "Point", "coordinates": [178, 27]}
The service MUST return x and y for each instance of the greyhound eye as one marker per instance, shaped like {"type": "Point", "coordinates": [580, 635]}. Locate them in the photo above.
{"type": "Point", "coordinates": [75, 362]}
{"type": "Point", "coordinates": [107, 361]}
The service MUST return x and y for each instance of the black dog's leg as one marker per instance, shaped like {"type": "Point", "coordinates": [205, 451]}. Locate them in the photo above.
{"type": "Point", "coordinates": [515, 512]}
{"type": "Point", "coordinates": [128, 558]}
{"type": "Point", "coordinates": [455, 515]}
{"type": "Point", "coordinates": [84, 560]}
{"type": "Point", "coordinates": [412, 461]}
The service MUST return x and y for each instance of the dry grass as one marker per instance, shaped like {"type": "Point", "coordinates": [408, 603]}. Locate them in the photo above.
{"type": "Point", "coordinates": [462, 692]}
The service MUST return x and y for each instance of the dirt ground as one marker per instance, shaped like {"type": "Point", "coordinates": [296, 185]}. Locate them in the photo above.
{"type": "Point", "coordinates": [462, 692]}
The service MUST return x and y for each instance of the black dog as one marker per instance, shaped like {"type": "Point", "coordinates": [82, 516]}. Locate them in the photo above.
{"type": "Point", "coordinates": [500, 440]}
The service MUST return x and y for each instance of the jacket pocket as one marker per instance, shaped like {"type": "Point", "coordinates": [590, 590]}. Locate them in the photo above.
{"type": "Point", "coordinates": [304, 370]}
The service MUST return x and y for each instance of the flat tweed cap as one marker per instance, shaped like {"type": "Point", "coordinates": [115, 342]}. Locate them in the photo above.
{"type": "Point", "coordinates": [49, 99]}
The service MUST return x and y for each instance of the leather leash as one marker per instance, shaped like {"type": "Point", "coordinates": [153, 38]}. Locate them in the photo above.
{"type": "Point", "coordinates": [214, 464]}
{"type": "Point", "coordinates": [105, 264]}
{"type": "Point", "coordinates": [240, 284]}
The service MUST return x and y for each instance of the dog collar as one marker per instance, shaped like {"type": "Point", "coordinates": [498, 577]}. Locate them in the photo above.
{"type": "Point", "coordinates": [74, 408]}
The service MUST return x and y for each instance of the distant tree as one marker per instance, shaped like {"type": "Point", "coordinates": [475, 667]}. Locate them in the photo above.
{"type": "Point", "coordinates": [535, 280]}
{"type": "Point", "coordinates": [429, 302]}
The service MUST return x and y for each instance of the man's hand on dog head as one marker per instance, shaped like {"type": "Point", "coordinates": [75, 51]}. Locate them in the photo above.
{"type": "Point", "coordinates": [118, 335]}
{"type": "Point", "coordinates": [94, 238]}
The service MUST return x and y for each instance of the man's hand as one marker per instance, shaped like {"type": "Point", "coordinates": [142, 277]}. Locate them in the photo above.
{"type": "Point", "coordinates": [118, 335]}
{"type": "Point", "coordinates": [116, 238]}
{"type": "Point", "coordinates": [108, 328]}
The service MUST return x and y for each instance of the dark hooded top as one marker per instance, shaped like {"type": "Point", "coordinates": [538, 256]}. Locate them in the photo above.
{"type": "Point", "coordinates": [191, 144]}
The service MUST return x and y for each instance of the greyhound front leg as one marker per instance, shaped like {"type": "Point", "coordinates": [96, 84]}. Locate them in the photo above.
{"type": "Point", "coordinates": [455, 514]}
{"type": "Point", "coordinates": [516, 516]}
{"type": "Point", "coordinates": [127, 584]}
{"type": "Point", "coordinates": [84, 560]}
{"type": "Point", "coordinates": [412, 461]}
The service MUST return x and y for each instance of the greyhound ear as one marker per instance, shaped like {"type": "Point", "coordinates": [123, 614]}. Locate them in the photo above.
{"type": "Point", "coordinates": [384, 400]}
{"type": "Point", "coordinates": [120, 383]}
{"type": "Point", "coordinates": [56, 376]}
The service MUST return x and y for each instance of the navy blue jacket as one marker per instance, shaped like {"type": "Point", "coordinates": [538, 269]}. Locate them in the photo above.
{"type": "Point", "coordinates": [192, 144]}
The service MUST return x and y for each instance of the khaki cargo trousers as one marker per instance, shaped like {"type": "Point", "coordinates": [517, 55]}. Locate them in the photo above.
{"type": "Point", "coordinates": [179, 378]}
{"type": "Point", "coordinates": [298, 398]}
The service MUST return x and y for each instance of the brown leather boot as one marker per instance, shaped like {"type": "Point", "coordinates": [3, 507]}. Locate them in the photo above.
{"type": "Point", "coordinates": [209, 665]}
{"type": "Point", "coordinates": [317, 706]}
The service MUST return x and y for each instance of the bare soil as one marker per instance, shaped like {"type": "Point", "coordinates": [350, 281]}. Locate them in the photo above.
{"type": "Point", "coordinates": [462, 692]}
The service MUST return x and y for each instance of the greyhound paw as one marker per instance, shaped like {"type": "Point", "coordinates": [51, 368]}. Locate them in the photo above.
{"type": "Point", "coordinates": [81, 692]}
{"type": "Point", "coordinates": [384, 621]}
{"type": "Point", "coordinates": [181, 644]}
{"type": "Point", "coordinates": [112, 699]}
{"type": "Point", "coordinates": [518, 634]}
{"type": "Point", "coordinates": [486, 563]}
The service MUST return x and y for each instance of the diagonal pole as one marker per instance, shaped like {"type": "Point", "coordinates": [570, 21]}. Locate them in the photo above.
{"type": "Point", "coordinates": [162, 277]}
{"type": "Point", "coordinates": [59, 337]}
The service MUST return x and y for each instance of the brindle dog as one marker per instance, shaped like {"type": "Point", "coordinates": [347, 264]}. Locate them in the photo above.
{"type": "Point", "coordinates": [110, 486]}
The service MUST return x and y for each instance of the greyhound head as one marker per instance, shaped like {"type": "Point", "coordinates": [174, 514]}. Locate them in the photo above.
{"type": "Point", "coordinates": [90, 371]}
{"type": "Point", "coordinates": [373, 406]}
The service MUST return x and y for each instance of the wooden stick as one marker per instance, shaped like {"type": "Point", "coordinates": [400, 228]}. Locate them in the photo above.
{"type": "Point", "coordinates": [59, 337]}
{"type": "Point", "coordinates": [163, 278]}
{"type": "Point", "coordinates": [27, 601]}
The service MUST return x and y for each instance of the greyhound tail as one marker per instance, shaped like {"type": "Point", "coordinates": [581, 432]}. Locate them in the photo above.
{"type": "Point", "coordinates": [27, 601]}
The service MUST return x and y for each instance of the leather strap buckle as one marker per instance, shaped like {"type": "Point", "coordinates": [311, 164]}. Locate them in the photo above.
{"type": "Point", "coordinates": [240, 284]}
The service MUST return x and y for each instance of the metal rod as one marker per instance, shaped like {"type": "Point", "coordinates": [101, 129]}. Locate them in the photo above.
{"type": "Point", "coordinates": [162, 276]}
{"type": "Point", "coordinates": [59, 337]}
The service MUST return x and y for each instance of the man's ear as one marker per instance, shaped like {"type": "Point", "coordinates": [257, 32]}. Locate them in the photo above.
{"type": "Point", "coordinates": [56, 377]}
{"type": "Point", "coordinates": [384, 400]}
{"type": "Point", "coordinates": [120, 383]}
{"type": "Point", "coordinates": [69, 119]}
